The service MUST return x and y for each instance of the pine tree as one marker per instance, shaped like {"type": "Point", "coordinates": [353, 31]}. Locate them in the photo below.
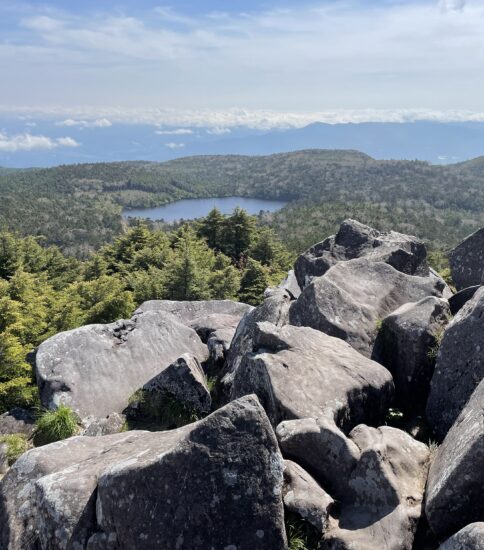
{"type": "Point", "coordinates": [253, 283]}
{"type": "Point", "coordinates": [211, 227]}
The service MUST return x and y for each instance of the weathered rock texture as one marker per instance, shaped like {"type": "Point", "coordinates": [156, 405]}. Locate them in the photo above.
{"type": "Point", "coordinates": [455, 486]}
{"type": "Point", "coordinates": [96, 368]}
{"type": "Point", "coordinates": [407, 344]}
{"type": "Point", "coordinates": [304, 497]}
{"type": "Point", "coordinates": [355, 240]}
{"type": "Point", "coordinates": [213, 484]}
{"type": "Point", "coordinates": [460, 299]}
{"type": "Point", "coordinates": [353, 297]}
{"type": "Point", "coordinates": [467, 261]}
{"type": "Point", "coordinates": [459, 368]}
{"type": "Point", "coordinates": [298, 372]}
{"type": "Point", "coordinates": [470, 537]}
{"type": "Point", "coordinates": [17, 421]}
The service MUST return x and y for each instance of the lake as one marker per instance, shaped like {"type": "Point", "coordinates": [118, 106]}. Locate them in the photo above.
{"type": "Point", "coordinates": [188, 209]}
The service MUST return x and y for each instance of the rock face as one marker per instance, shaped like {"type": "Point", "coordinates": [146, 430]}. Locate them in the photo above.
{"type": "Point", "coordinates": [298, 372]}
{"type": "Point", "coordinates": [96, 368]}
{"type": "Point", "coordinates": [355, 240]}
{"type": "Point", "coordinates": [467, 261]}
{"type": "Point", "coordinates": [214, 484]}
{"type": "Point", "coordinates": [185, 380]}
{"type": "Point", "coordinates": [459, 368]}
{"type": "Point", "coordinates": [17, 421]}
{"type": "Point", "coordinates": [353, 297]}
{"type": "Point", "coordinates": [407, 344]}
{"type": "Point", "coordinates": [304, 497]}
{"type": "Point", "coordinates": [460, 299]}
{"type": "Point", "coordinates": [455, 486]}
{"type": "Point", "coordinates": [470, 537]}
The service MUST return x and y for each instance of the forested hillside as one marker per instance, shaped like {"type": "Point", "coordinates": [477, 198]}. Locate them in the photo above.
{"type": "Point", "coordinates": [79, 207]}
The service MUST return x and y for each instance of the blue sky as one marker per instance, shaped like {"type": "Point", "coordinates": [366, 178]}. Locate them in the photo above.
{"type": "Point", "coordinates": [234, 62]}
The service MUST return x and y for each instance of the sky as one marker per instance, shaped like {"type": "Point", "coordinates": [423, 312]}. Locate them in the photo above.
{"type": "Point", "coordinates": [225, 63]}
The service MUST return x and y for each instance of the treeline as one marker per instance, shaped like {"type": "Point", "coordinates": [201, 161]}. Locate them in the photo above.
{"type": "Point", "coordinates": [43, 291]}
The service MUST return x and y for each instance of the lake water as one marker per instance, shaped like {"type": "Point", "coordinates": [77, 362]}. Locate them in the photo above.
{"type": "Point", "coordinates": [188, 209]}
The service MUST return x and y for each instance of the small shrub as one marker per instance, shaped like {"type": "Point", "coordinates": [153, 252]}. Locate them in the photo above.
{"type": "Point", "coordinates": [434, 350]}
{"type": "Point", "coordinates": [378, 324]}
{"type": "Point", "coordinates": [301, 535]}
{"type": "Point", "coordinates": [17, 444]}
{"type": "Point", "coordinates": [55, 425]}
{"type": "Point", "coordinates": [395, 418]}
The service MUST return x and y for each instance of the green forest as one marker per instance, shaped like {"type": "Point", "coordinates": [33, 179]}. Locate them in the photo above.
{"type": "Point", "coordinates": [43, 291]}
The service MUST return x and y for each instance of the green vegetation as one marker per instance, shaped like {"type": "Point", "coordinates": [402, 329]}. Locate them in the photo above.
{"type": "Point", "coordinates": [43, 292]}
{"type": "Point", "coordinates": [55, 425]}
{"type": "Point", "coordinates": [301, 535]}
{"type": "Point", "coordinates": [17, 444]}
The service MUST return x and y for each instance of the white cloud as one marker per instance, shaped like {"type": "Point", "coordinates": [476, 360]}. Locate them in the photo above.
{"type": "Point", "coordinates": [452, 5]}
{"type": "Point", "coordinates": [99, 123]}
{"type": "Point", "coordinates": [174, 146]}
{"type": "Point", "coordinates": [218, 131]}
{"type": "Point", "coordinates": [28, 142]}
{"type": "Point", "coordinates": [177, 132]}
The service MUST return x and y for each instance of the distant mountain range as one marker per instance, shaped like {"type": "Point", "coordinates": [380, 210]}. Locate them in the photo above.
{"type": "Point", "coordinates": [435, 142]}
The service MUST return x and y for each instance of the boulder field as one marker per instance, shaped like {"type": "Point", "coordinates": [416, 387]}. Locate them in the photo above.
{"type": "Point", "coordinates": [345, 412]}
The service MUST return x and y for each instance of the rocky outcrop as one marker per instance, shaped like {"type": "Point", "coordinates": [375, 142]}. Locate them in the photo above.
{"type": "Point", "coordinates": [304, 497]}
{"type": "Point", "coordinates": [467, 261]}
{"type": "Point", "coordinates": [407, 345]}
{"type": "Point", "coordinates": [17, 421]}
{"type": "Point", "coordinates": [353, 297]}
{"type": "Point", "coordinates": [355, 240]}
{"type": "Point", "coordinates": [213, 484]}
{"type": "Point", "coordinates": [459, 367]}
{"type": "Point", "coordinates": [291, 285]}
{"type": "Point", "coordinates": [112, 424]}
{"type": "Point", "coordinates": [470, 537]}
{"type": "Point", "coordinates": [460, 299]}
{"type": "Point", "coordinates": [455, 486]}
{"type": "Point", "coordinates": [96, 368]}
{"type": "Point", "coordinates": [298, 372]}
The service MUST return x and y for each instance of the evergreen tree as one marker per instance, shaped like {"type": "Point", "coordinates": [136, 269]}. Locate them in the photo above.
{"type": "Point", "coordinates": [253, 283]}
{"type": "Point", "coordinates": [211, 229]}
{"type": "Point", "coordinates": [238, 233]}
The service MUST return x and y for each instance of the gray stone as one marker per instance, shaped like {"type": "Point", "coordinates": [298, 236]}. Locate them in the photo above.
{"type": "Point", "coordinates": [185, 380]}
{"type": "Point", "coordinates": [17, 421]}
{"type": "Point", "coordinates": [112, 424]}
{"type": "Point", "coordinates": [459, 367]}
{"type": "Point", "coordinates": [216, 483]}
{"type": "Point", "coordinates": [385, 492]}
{"type": "Point", "coordinates": [3, 458]}
{"type": "Point", "coordinates": [447, 292]}
{"type": "Point", "coordinates": [218, 344]}
{"type": "Point", "coordinates": [304, 497]}
{"type": "Point", "coordinates": [407, 344]}
{"type": "Point", "coordinates": [467, 261]}
{"type": "Point", "coordinates": [205, 326]}
{"type": "Point", "coordinates": [460, 299]}
{"type": "Point", "coordinates": [471, 537]}
{"type": "Point", "coordinates": [298, 372]}
{"type": "Point", "coordinates": [355, 240]}
{"type": "Point", "coordinates": [455, 486]}
{"type": "Point", "coordinates": [291, 285]}
{"type": "Point", "coordinates": [96, 368]}
{"type": "Point", "coordinates": [353, 297]}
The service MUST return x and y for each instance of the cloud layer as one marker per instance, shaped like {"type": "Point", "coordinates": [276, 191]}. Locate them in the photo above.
{"type": "Point", "coordinates": [29, 142]}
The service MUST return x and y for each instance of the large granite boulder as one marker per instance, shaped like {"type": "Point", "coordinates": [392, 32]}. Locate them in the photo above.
{"type": "Point", "coordinates": [17, 421]}
{"type": "Point", "coordinates": [352, 298]}
{"type": "Point", "coordinates": [216, 483]}
{"type": "Point", "coordinates": [455, 486]}
{"type": "Point", "coordinates": [407, 344]}
{"type": "Point", "coordinates": [355, 240]}
{"type": "Point", "coordinates": [459, 367]}
{"type": "Point", "coordinates": [298, 372]}
{"type": "Point", "coordinates": [467, 261]}
{"type": "Point", "coordinates": [471, 537]}
{"type": "Point", "coordinates": [96, 368]}
{"type": "Point", "coordinates": [460, 299]}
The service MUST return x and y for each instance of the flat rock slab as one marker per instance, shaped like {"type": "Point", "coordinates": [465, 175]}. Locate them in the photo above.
{"type": "Point", "coordinates": [216, 483]}
{"type": "Point", "coordinates": [455, 486]}
{"type": "Point", "coordinates": [467, 261]}
{"type": "Point", "coordinates": [298, 372]}
{"type": "Point", "coordinates": [96, 368]}
{"type": "Point", "coordinates": [352, 298]}
{"type": "Point", "coordinates": [459, 367]}
{"type": "Point", "coordinates": [356, 240]}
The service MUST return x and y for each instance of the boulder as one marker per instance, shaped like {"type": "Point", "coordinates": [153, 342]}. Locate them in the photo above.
{"type": "Point", "coordinates": [206, 326]}
{"type": "Point", "coordinates": [298, 372]}
{"type": "Point", "coordinates": [291, 285]}
{"type": "Point", "coordinates": [460, 299]}
{"type": "Point", "coordinates": [218, 344]}
{"type": "Point", "coordinates": [216, 483]}
{"type": "Point", "coordinates": [96, 368]}
{"type": "Point", "coordinates": [459, 367]}
{"type": "Point", "coordinates": [352, 298]}
{"type": "Point", "coordinates": [304, 497]}
{"type": "Point", "coordinates": [3, 458]}
{"type": "Point", "coordinates": [112, 424]}
{"type": "Point", "coordinates": [471, 537]}
{"type": "Point", "coordinates": [275, 310]}
{"type": "Point", "coordinates": [17, 421]}
{"type": "Point", "coordinates": [355, 240]}
{"type": "Point", "coordinates": [185, 380]}
{"type": "Point", "coordinates": [455, 486]}
{"type": "Point", "coordinates": [467, 261]}
{"type": "Point", "coordinates": [407, 344]}
{"type": "Point", "coordinates": [384, 500]}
